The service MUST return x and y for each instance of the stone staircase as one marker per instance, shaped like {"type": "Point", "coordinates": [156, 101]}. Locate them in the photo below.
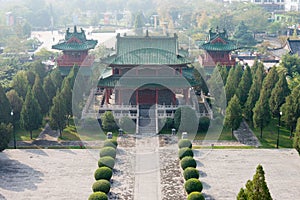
{"type": "Point", "coordinates": [147, 122]}
{"type": "Point", "coordinates": [245, 135]}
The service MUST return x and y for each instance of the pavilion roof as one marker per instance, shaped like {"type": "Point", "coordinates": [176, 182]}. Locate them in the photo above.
{"type": "Point", "coordinates": [218, 41]}
{"type": "Point", "coordinates": [293, 46]}
{"type": "Point", "coordinates": [75, 41]}
{"type": "Point", "coordinates": [147, 50]}
{"type": "Point", "coordinates": [175, 81]}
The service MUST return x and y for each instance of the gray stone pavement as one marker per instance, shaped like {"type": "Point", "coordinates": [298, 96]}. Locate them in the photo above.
{"type": "Point", "coordinates": [56, 174]}
{"type": "Point", "coordinates": [147, 169]}
{"type": "Point", "coordinates": [224, 172]}
{"type": "Point", "coordinates": [34, 174]}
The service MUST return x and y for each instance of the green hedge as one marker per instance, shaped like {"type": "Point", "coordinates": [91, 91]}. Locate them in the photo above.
{"type": "Point", "coordinates": [193, 185]}
{"type": "Point", "coordinates": [106, 161]}
{"type": "Point", "coordinates": [184, 143]}
{"type": "Point", "coordinates": [190, 172]}
{"type": "Point", "coordinates": [195, 196]}
{"type": "Point", "coordinates": [188, 161]}
{"type": "Point", "coordinates": [101, 185]}
{"type": "Point", "coordinates": [183, 152]}
{"type": "Point", "coordinates": [111, 143]}
{"type": "Point", "coordinates": [98, 196]}
{"type": "Point", "coordinates": [108, 151]}
{"type": "Point", "coordinates": [103, 173]}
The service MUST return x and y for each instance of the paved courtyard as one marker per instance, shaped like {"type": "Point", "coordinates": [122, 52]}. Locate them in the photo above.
{"type": "Point", "coordinates": [68, 174]}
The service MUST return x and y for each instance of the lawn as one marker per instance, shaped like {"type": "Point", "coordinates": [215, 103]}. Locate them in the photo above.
{"type": "Point", "coordinates": [269, 138]}
{"type": "Point", "coordinates": [23, 135]}
{"type": "Point", "coordinates": [225, 135]}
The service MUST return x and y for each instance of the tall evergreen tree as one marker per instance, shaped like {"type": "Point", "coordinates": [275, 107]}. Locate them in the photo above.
{"type": "Point", "coordinates": [261, 112]}
{"type": "Point", "coordinates": [20, 83]}
{"type": "Point", "coordinates": [291, 109]}
{"type": "Point", "coordinates": [217, 90]}
{"type": "Point", "coordinates": [40, 95]}
{"type": "Point", "coordinates": [58, 113]}
{"type": "Point", "coordinates": [233, 116]}
{"type": "Point", "coordinates": [49, 89]}
{"type": "Point", "coordinates": [278, 95]}
{"type": "Point", "coordinates": [66, 92]}
{"type": "Point", "coordinates": [30, 77]}
{"type": "Point", "coordinates": [223, 70]}
{"type": "Point", "coordinates": [31, 117]}
{"type": "Point", "coordinates": [256, 189]}
{"type": "Point", "coordinates": [244, 86]}
{"type": "Point", "coordinates": [270, 81]}
{"type": "Point", "coordinates": [5, 135]}
{"type": "Point", "coordinates": [16, 103]}
{"type": "Point", "coordinates": [296, 140]}
{"type": "Point", "coordinates": [260, 188]}
{"type": "Point", "coordinates": [254, 91]}
{"type": "Point", "coordinates": [5, 107]}
{"type": "Point", "coordinates": [230, 87]}
{"type": "Point", "coordinates": [56, 78]}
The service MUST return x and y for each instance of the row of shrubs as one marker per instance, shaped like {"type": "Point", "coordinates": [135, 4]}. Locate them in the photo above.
{"type": "Point", "coordinates": [192, 185]}
{"type": "Point", "coordinates": [104, 173]}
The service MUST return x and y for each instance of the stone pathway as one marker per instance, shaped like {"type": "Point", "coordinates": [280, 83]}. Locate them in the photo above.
{"type": "Point", "coordinates": [245, 135]}
{"type": "Point", "coordinates": [147, 169]}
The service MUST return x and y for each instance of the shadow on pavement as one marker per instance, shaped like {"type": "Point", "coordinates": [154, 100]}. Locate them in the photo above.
{"type": "Point", "coordinates": [16, 176]}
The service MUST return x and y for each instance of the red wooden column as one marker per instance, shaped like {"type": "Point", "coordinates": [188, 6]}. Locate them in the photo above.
{"type": "Point", "coordinates": [106, 95]}
{"type": "Point", "coordinates": [185, 94]}
{"type": "Point", "coordinates": [120, 96]}
{"type": "Point", "coordinates": [137, 96]}
{"type": "Point", "coordinates": [174, 99]}
{"type": "Point", "coordinates": [156, 96]}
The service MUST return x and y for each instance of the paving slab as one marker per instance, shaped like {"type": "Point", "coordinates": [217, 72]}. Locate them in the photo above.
{"type": "Point", "coordinates": [224, 172]}
{"type": "Point", "coordinates": [47, 174]}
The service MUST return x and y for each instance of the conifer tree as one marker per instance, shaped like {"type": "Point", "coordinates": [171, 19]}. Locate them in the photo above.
{"type": "Point", "coordinates": [278, 95]}
{"type": "Point", "coordinates": [20, 83]}
{"type": "Point", "coordinates": [256, 189]}
{"type": "Point", "coordinates": [261, 112]}
{"type": "Point", "coordinates": [5, 107]}
{"type": "Point", "coordinates": [230, 87]}
{"type": "Point", "coordinates": [244, 86]}
{"type": "Point", "coordinates": [291, 109]}
{"type": "Point", "coordinates": [40, 95]}
{"type": "Point", "coordinates": [254, 91]}
{"type": "Point", "coordinates": [296, 140]}
{"type": "Point", "coordinates": [66, 92]}
{"type": "Point", "coordinates": [49, 89]}
{"type": "Point", "coordinates": [233, 116]}
{"type": "Point", "coordinates": [270, 81]}
{"type": "Point", "coordinates": [58, 113]}
{"type": "Point", "coordinates": [56, 78]}
{"type": "Point", "coordinates": [217, 89]}
{"type": "Point", "coordinates": [16, 103]}
{"type": "Point", "coordinates": [31, 117]}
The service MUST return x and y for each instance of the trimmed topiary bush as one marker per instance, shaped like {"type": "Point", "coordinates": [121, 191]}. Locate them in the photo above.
{"type": "Point", "coordinates": [108, 151]}
{"type": "Point", "coordinates": [101, 185]}
{"type": "Point", "coordinates": [183, 152]}
{"type": "Point", "coordinates": [103, 173]}
{"type": "Point", "coordinates": [98, 196]}
{"type": "Point", "coordinates": [195, 196]}
{"type": "Point", "coordinates": [190, 172]}
{"type": "Point", "coordinates": [111, 143]}
{"type": "Point", "coordinates": [106, 161]}
{"type": "Point", "coordinates": [193, 185]}
{"type": "Point", "coordinates": [184, 143]}
{"type": "Point", "coordinates": [188, 161]}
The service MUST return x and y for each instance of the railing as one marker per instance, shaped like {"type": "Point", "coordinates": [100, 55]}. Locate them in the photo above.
{"type": "Point", "coordinates": [117, 107]}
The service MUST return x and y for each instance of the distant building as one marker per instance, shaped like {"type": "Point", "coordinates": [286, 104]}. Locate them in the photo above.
{"type": "Point", "coordinates": [75, 49]}
{"type": "Point", "coordinates": [217, 49]}
{"type": "Point", "coordinates": [292, 5]}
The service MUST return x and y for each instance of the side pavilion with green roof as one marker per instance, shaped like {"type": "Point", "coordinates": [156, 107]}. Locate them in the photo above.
{"type": "Point", "coordinates": [75, 49]}
{"type": "Point", "coordinates": [217, 49]}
